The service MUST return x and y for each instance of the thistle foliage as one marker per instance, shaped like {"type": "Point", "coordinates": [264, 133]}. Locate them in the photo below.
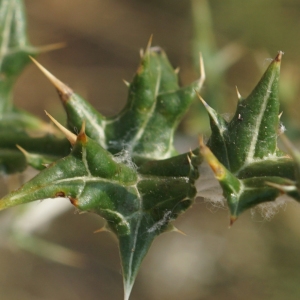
{"type": "Point", "coordinates": [125, 168]}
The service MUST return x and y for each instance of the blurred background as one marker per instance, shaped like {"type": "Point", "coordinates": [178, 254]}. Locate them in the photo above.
{"type": "Point", "coordinates": [257, 258]}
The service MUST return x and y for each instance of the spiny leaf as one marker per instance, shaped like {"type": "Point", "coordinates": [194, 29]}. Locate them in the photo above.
{"type": "Point", "coordinates": [37, 161]}
{"type": "Point", "coordinates": [135, 191]}
{"type": "Point", "coordinates": [12, 160]}
{"type": "Point", "coordinates": [138, 204]}
{"type": "Point", "coordinates": [154, 108]}
{"type": "Point", "coordinates": [242, 194]}
{"type": "Point", "coordinates": [14, 49]}
{"type": "Point", "coordinates": [18, 126]}
{"type": "Point", "coordinates": [245, 149]}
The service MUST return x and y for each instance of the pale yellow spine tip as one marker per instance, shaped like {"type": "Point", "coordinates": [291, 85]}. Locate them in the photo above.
{"type": "Point", "coordinates": [238, 93]}
{"type": "Point", "coordinates": [189, 159]}
{"type": "Point", "coordinates": [201, 142]}
{"type": "Point", "coordinates": [278, 57]}
{"type": "Point", "coordinates": [141, 53]}
{"type": "Point", "coordinates": [60, 86]}
{"type": "Point", "coordinates": [175, 229]}
{"type": "Point", "coordinates": [68, 134]}
{"type": "Point", "coordinates": [202, 70]}
{"type": "Point", "coordinates": [232, 220]}
{"type": "Point", "coordinates": [149, 43]}
{"type": "Point", "coordinates": [22, 150]}
{"type": "Point", "coordinates": [102, 229]}
{"type": "Point", "coordinates": [126, 83]}
{"type": "Point", "coordinates": [82, 130]}
{"type": "Point", "coordinates": [51, 47]}
{"type": "Point", "coordinates": [82, 136]}
{"type": "Point", "coordinates": [201, 99]}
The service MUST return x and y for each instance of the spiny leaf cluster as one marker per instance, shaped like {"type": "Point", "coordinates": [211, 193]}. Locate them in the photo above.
{"type": "Point", "coordinates": [125, 168]}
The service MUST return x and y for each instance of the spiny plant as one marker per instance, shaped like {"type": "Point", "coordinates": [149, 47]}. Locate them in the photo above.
{"type": "Point", "coordinates": [17, 125]}
{"type": "Point", "coordinates": [243, 153]}
{"type": "Point", "coordinates": [125, 168]}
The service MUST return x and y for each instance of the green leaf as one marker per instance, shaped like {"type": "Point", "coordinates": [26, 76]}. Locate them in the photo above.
{"type": "Point", "coordinates": [145, 127]}
{"type": "Point", "coordinates": [123, 168]}
{"type": "Point", "coordinates": [243, 152]}
{"type": "Point", "coordinates": [138, 203]}
{"type": "Point", "coordinates": [18, 126]}
{"type": "Point", "coordinates": [12, 160]}
{"type": "Point", "coordinates": [14, 49]}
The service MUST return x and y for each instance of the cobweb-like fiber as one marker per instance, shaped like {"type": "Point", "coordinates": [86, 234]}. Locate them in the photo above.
{"type": "Point", "coordinates": [209, 189]}
{"type": "Point", "coordinates": [269, 209]}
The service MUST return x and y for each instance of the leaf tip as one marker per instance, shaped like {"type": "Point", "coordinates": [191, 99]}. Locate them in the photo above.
{"type": "Point", "coordinates": [141, 53]}
{"type": "Point", "coordinates": [126, 83]}
{"type": "Point", "coordinates": [81, 135]}
{"type": "Point", "coordinates": [149, 44]}
{"type": "Point", "coordinates": [238, 94]}
{"type": "Point", "coordinates": [74, 201]}
{"type": "Point", "coordinates": [232, 220]}
{"type": "Point", "coordinates": [102, 229]}
{"type": "Point", "coordinates": [218, 169]}
{"type": "Point", "coordinates": [64, 91]}
{"type": "Point", "coordinates": [175, 229]}
{"type": "Point", "coordinates": [202, 100]}
{"type": "Point", "coordinates": [278, 57]}
{"type": "Point", "coordinates": [68, 134]}
{"type": "Point", "coordinates": [275, 185]}
{"type": "Point", "coordinates": [52, 47]}
{"type": "Point", "coordinates": [22, 150]}
{"type": "Point", "coordinates": [202, 70]}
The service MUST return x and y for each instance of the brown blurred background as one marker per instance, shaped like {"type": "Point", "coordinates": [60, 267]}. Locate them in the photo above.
{"type": "Point", "coordinates": [256, 258]}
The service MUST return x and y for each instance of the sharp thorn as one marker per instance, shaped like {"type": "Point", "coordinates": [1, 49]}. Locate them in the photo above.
{"type": "Point", "coordinates": [278, 57]}
{"type": "Point", "coordinates": [238, 93]}
{"type": "Point", "coordinates": [22, 150]}
{"type": "Point", "coordinates": [82, 130]}
{"type": "Point", "coordinates": [189, 160]}
{"type": "Point", "coordinates": [141, 53]}
{"type": "Point", "coordinates": [279, 116]}
{"type": "Point", "coordinates": [202, 70]}
{"type": "Point", "coordinates": [126, 83]}
{"type": "Point", "coordinates": [289, 187]}
{"type": "Point", "coordinates": [232, 220]}
{"type": "Point", "coordinates": [62, 88]}
{"type": "Point", "coordinates": [192, 154]}
{"type": "Point", "coordinates": [176, 71]}
{"type": "Point", "coordinates": [51, 47]}
{"type": "Point", "coordinates": [81, 135]}
{"type": "Point", "coordinates": [275, 185]}
{"type": "Point", "coordinates": [175, 229]}
{"type": "Point", "coordinates": [149, 43]}
{"type": "Point", "coordinates": [202, 100]}
{"type": "Point", "coordinates": [201, 142]}
{"type": "Point", "coordinates": [102, 229]}
{"type": "Point", "coordinates": [68, 134]}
